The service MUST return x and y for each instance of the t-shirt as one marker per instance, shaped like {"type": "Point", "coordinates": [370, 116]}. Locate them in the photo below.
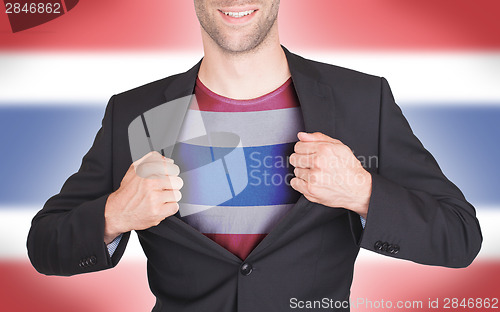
{"type": "Point", "coordinates": [233, 156]}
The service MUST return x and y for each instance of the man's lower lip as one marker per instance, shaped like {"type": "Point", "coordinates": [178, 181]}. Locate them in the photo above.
{"type": "Point", "coordinates": [237, 20]}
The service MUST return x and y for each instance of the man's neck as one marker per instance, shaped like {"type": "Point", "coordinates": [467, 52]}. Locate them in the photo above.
{"type": "Point", "coordinates": [245, 75]}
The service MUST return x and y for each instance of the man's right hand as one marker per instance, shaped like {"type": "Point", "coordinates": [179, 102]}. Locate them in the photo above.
{"type": "Point", "coordinates": [148, 193]}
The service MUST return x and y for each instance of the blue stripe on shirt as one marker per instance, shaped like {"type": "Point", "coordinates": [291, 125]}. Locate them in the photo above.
{"type": "Point", "coordinates": [268, 170]}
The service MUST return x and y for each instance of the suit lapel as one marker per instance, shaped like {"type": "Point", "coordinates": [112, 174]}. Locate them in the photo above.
{"type": "Point", "coordinates": [182, 85]}
{"type": "Point", "coordinates": [318, 109]}
{"type": "Point", "coordinates": [316, 99]}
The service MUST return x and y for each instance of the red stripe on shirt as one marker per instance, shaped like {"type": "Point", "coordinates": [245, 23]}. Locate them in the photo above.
{"type": "Point", "coordinates": [239, 244]}
{"type": "Point", "coordinates": [282, 97]}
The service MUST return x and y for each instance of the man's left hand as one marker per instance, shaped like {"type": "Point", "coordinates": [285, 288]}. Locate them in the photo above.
{"type": "Point", "coordinates": [327, 172]}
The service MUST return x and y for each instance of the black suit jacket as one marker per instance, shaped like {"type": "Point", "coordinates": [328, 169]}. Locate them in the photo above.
{"type": "Point", "coordinates": [415, 212]}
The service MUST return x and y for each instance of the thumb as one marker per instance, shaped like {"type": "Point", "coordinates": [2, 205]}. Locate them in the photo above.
{"type": "Point", "coordinates": [315, 137]}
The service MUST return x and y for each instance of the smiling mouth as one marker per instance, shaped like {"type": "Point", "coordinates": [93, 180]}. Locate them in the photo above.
{"type": "Point", "coordinates": [239, 14]}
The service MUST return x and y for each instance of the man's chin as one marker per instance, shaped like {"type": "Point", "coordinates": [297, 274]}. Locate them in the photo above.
{"type": "Point", "coordinates": [240, 46]}
{"type": "Point", "coordinates": [239, 50]}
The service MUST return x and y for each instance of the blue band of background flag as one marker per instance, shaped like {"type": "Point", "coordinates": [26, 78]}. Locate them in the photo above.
{"type": "Point", "coordinates": [41, 146]}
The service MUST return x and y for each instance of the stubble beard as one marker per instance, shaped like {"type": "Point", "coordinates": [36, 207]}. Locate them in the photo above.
{"type": "Point", "coordinates": [249, 43]}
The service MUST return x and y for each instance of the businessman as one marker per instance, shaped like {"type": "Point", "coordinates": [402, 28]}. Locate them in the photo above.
{"type": "Point", "coordinates": [269, 242]}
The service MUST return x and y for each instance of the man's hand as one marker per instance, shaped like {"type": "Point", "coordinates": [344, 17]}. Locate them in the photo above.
{"type": "Point", "coordinates": [327, 172]}
{"type": "Point", "coordinates": [148, 193]}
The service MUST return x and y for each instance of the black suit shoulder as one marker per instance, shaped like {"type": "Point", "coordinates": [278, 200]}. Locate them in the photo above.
{"type": "Point", "coordinates": [335, 73]}
{"type": "Point", "coordinates": [138, 100]}
{"type": "Point", "coordinates": [130, 104]}
{"type": "Point", "coordinates": [353, 91]}
{"type": "Point", "coordinates": [151, 90]}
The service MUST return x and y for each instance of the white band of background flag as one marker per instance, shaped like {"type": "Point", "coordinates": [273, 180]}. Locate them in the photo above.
{"type": "Point", "coordinates": [160, 129]}
{"type": "Point", "coordinates": [453, 78]}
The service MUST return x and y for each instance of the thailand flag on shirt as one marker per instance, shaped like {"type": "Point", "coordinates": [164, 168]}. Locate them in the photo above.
{"type": "Point", "coordinates": [233, 158]}
{"type": "Point", "coordinates": [441, 57]}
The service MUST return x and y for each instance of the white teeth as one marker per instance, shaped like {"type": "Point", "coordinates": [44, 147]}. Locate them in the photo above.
{"type": "Point", "coordinates": [239, 14]}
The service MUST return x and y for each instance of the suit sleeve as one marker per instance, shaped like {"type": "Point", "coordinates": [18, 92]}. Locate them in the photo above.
{"type": "Point", "coordinates": [67, 235]}
{"type": "Point", "coordinates": [415, 212]}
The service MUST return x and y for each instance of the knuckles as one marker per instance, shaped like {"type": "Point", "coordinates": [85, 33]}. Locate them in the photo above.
{"type": "Point", "coordinates": [325, 148]}
{"type": "Point", "coordinates": [176, 183]}
{"type": "Point", "coordinates": [292, 159]}
{"type": "Point", "coordinates": [312, 190]}
{"type": "Point", "coordinates": [318, 161]}
{"type": "Point", "coordinates": [177, 195]}
{"type": "Point", "coordinates": [172, 208]}
{"type": "Point", "coordinates": [173, 169]}
{"type": "Point", "coordinates": [314, 176]}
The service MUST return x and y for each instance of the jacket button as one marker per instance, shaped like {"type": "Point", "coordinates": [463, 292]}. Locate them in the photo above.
{"type": "Point", "coordinates": [385, 245]}
{"type": "Point", "coordinates": [93, 260]}
{"type": "Point", "coordinates": [83, 263]}
{"type": "Point", "coordinates": [390, 249]}
{"type": "Point", "coordinates": [395, 249]}
{"type": "Point", "coordinates": [246, 269]}
{"type": "Point", "coordinates": [378, 245]}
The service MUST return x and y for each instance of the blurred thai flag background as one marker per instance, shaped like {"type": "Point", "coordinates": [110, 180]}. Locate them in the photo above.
{"type": "Point", "coordinates": [441, 57]}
